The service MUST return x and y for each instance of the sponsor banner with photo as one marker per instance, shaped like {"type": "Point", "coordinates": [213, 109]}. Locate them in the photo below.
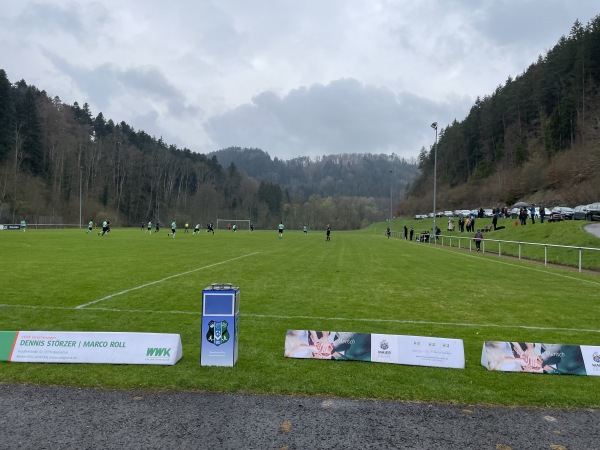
{"type": "Point", "coordinates": [382, 348]}
{"type": "Point", "coordinates": [90, 347]}
{"type": "Point", "coordinates": [10, 227]}
{"type": "Point", "coordinates": [555, 359]}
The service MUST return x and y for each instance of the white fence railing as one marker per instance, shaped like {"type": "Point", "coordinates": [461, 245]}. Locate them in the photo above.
{"type": "Point", "coordinates": [465, 242]}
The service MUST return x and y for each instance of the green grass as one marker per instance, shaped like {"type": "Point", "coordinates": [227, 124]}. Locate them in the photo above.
{"type": "Point", "coordinates": [359, 281]}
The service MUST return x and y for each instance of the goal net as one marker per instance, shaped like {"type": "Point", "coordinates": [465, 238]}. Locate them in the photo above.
{"type": "Point", "coordinates": [241, 224]}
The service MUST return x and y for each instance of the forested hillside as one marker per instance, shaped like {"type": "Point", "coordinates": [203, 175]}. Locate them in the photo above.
{"type": "Point", "coordinates": [354, 175]}
{"type": "Point", "coordinates": [61, 164]}
{"type": "Point", "coordinates": [537, 137]}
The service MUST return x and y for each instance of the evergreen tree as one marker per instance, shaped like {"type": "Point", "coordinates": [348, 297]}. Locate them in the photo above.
{"type": "Point", "coordinates": [6, 117]}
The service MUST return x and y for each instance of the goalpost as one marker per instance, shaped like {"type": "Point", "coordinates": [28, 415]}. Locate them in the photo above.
{"type": "Point", "coordinates": [241, 224]}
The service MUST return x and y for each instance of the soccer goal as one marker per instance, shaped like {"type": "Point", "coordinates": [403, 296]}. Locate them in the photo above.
{"type": "Point", "coordinates": [241, 224]}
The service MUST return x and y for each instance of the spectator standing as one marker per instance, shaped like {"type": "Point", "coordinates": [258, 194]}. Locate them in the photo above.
{"type": "Point", "coordinates": [478, 239]}
{"type": "Point", "coordinates": [523, 216]}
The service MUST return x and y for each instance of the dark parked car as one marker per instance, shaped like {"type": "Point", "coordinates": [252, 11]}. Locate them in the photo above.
{"type": "Point", "coordinates": [562, 212]}
{"type": "Point", "coordinates": [580, 212]}
{"type": "Point", "coordinates": [593, 212]}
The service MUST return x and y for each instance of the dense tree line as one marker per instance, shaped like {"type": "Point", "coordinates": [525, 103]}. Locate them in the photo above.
{"type": "Point", "coordinates": [347, 191]}
{"type": "Point", "coordinates": [56, 158]}
{"type": "Point", "coordinates": [352, 175]}
{"type": "Point", "coordinates": [510, 144]}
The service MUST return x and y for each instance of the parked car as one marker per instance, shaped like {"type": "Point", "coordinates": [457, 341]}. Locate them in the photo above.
{"type": "Point", "coordinates": [565, 212]}
{"type": "Point", "coordinates": [580, 212]}
{"type": "Point", "coordinates": [593, 212]}
{"type": "Point", "coordinates": [448, 214]}
{"type": "Point", "coordinates": [488, 213]}
{"type": "Point", "coordinates": [465, 213]}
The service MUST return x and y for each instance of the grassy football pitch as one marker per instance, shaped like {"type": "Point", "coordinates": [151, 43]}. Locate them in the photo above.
{"type": "Point", "coordinates": [360, 281]}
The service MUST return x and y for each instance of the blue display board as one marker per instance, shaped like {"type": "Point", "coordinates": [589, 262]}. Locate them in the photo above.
{"type": "Point", "coordinates": [219, 334]}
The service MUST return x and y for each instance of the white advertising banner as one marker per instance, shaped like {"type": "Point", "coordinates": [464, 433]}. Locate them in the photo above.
{"type": "Point", "coordinates": [418, 351]}
{"type": "Point", "coordinates": [90, 347]}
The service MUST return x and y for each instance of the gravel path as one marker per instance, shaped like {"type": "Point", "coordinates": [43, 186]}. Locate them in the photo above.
{"type": "Point", "coordinates": [46, 417]}
{"type": "Point", "coordinates": [593, 228]}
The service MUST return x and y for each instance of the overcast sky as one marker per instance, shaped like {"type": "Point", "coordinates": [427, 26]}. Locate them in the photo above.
{"type": "Point", "coordinates": [292, 77]}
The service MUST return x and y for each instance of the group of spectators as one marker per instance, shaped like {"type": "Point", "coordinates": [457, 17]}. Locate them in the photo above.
{"type": "Point", "coordinates": [466, 224]}
{"type": "Point", "coordinates": [530, 213]}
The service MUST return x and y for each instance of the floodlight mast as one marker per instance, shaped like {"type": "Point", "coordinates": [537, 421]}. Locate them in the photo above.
{"type": "Point", "coordinates": [435, 127]}
{"type": "Point", "coordinates": [391, 183]}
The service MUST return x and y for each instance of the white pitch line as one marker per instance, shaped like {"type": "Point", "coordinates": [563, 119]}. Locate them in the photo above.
{"type": "Point", "coordinates": [338, 319]}
{"type": "Point", "coordinates": [160, 281]}
{"type": "Point", "coordinates": [422, 322]}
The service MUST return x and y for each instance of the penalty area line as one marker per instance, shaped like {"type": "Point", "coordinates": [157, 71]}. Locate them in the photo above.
{"type": "Point", "coordinates": [160, 281]}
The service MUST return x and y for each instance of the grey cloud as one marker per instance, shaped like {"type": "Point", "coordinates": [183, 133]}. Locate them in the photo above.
{"type": "Point", "coordinates": [344, 116]}
{"type": "Point", "coordinates": [70, 19]}
{"type": "Point", "coordinates": [51, 18]}
{"type": "Point", "coordinates": [108, 81]}
{"type": "Point", "coordinates": [530, 23]}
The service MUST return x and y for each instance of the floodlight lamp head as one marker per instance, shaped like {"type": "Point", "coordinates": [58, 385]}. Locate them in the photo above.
{"type": "Point", "coordinates": [434, 125]}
